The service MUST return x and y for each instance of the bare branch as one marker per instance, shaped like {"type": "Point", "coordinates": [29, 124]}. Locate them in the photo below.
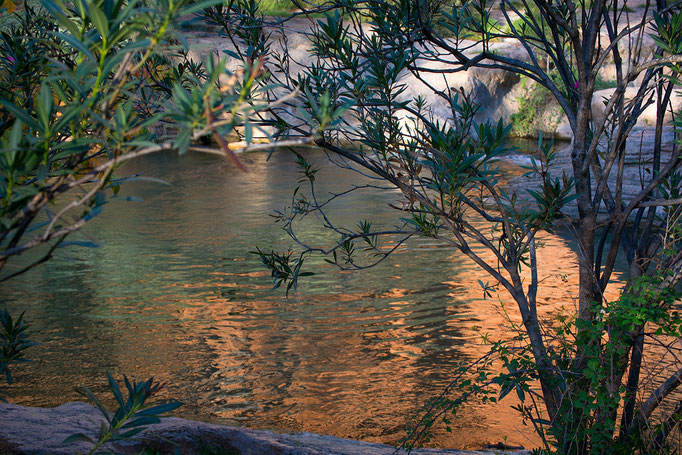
{"type": "Point", "coordinates": [657, 397]}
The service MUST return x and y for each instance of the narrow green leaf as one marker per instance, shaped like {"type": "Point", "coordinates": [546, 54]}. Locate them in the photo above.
{"type": "Point", "coordinates": [19, 114]}
{"type": "Point", "coordinates": [99, 19]}
{"type": "Point", "coordinates": [85, 391]}
{"type": "Point", "coordinates": [15, 135]}
{"type": "Point", "coordinates": [63, 20]}
{"type": "Point", "coordinates": [76, 44]}
{"type": "Point", "coordinates": [78, 437]}
{"type": "Point", "coordinates": [113, 386]}
{"type": "Point", "coordinates": [182, 141]}
{"type": "Point", "coordinates": [200, 6]}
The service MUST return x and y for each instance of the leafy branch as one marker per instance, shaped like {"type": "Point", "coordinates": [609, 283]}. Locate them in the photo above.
{"type": "Point", "coordinates": [133, 415]}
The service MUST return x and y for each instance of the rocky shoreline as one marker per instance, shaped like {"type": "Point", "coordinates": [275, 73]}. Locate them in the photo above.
{"type": "Point", "coordinates": [40, 431]}
{"type": "Point", "coordinates": [497, 92]}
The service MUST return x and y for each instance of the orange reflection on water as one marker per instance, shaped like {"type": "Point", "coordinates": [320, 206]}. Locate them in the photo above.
{"type": "Point", "coordinates": [316, 364]}
{"type": "Point", "coordinates": [350, 354]}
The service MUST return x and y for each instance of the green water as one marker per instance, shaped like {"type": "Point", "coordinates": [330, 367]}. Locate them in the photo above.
{"type": "Point", "coordinates": [173, 292]}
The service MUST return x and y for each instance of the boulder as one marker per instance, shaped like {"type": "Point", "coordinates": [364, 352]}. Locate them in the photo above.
{"type": "Point", "coordinates": [40, 431]}
{"type": "Point", "coordinates": [648, 117]}
{"type": "Point", "coordinates": [636, 172]}
{"type": "Point", "coordinates": [497, 92]}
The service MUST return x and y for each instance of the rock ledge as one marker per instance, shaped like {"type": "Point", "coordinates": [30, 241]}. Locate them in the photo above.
{"type": "Point", "coordinates": [40, 431]}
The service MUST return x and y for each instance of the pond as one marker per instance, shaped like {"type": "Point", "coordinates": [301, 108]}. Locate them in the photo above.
{"type": "Point", "coordinates": [173, 292]}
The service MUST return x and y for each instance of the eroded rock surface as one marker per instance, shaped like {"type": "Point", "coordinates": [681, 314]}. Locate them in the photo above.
{"type": "Point", "coordinates": [637, 167]}
{"type": "Point", "coordinates": [40, 431]}
{"type": "Point", "coordinates": [497, 92]}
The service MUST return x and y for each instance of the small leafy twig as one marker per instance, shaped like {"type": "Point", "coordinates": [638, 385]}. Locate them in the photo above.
{"type": "Point", "coordinates": [132, 416]}
{"type": "Point", "coordinates": [13, 341]}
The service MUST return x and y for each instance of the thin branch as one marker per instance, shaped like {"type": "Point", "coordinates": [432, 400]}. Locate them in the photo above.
{"type": "Point", "coordinates": [661, 203]}
{"type": "Point", "coordinates": [25, 269]}
{"type": "Point", "coordinates": [658, 396]}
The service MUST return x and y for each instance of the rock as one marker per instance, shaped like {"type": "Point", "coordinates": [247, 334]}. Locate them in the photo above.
{"type": "Point", "coordinates": [40, 431]}
{"type": "Point", "coordinates": [497, 92]}
{"type": "Point", "coordinates": [563, 130]}
{"type": "Point", "coordinates": [492, 90]}
{"type": "Point", "coordinates": [636, 172]}
{"type": "Point", "coordinates": [648, 117]}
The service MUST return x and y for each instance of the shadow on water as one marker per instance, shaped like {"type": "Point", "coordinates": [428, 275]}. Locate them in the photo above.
{"type": "Point", "coordinates": [173, 292]}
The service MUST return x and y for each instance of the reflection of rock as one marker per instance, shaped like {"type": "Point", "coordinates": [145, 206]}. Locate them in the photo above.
{"type": "Point", "coordinates": [38, 431]}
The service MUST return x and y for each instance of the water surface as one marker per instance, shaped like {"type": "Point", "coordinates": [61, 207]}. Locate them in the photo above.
{"type": "Point", "coordinates": [173, 292]}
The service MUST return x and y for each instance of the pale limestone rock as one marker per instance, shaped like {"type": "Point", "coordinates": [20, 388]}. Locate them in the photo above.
{"type": "Point", "coordinates": [497, 92]}
{"type": "Point", "coordinates": [648, 117]}
{"type": "Point", "coordinates": [563, 130]}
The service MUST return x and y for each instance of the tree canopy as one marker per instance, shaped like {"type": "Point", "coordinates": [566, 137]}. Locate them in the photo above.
{"type": "Point", "coordinates": [587, 365]}
{"type": "Point", "coordinates": [96, 82]}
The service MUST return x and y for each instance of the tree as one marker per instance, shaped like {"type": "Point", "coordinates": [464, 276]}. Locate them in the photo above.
{"type": "Point", "coordinates": [89, 86]}
{"type": "Point", "coordinates": [84, 87]}
{"type": "Point", "coordinates": [589, 365]}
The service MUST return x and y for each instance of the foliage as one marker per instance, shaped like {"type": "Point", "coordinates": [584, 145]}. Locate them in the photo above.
{"type": "Point", "coordinates": [601, 397]}
{"type": "Point", "coordinates": [472, 380]}
{"type": "Point", "coordinates": [648, 303]}
{"type": "Point", "coordinates": [581, 373]}
{"type": "Point", "coordinates": [535, 102]}
{"type": "Point", "coordinates": [276, 7]}
{"type": "Point", "coordinates": [133, 415]}
{"type": "Point", "coordinates": [530, 106]}
{"type": "Point", "coordinates": [86, 86]}
{"type": "Point", "coordinates": [284, 268]}
{"type": "Point", "coordinates": [13, 341]}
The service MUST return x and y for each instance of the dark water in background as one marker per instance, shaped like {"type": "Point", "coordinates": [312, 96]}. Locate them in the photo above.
{"type": "Point", "coordinates": [173, 292]}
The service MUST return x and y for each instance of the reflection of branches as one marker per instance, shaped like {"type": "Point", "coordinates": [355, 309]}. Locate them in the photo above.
{"type": "Point", "coordinates": [666, 346]}
{"type": "Point", "coordinates": [82, 201]}
{"type": "Point", "coordinates": [78, 170]}
{"type": "Point", "coordinates": [668, 425]}
{"type": "Point", "coordinates": [444, 168]}
{"type": "Point", "coordinates": [47, 256]}
{"type": "Point", "coordinates": [350, 190]}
